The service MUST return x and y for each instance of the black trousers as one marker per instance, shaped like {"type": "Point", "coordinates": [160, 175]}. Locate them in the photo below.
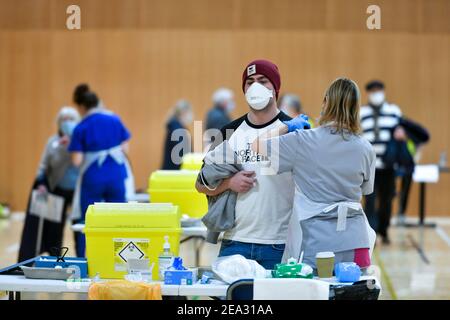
{"type": "Point", "coordinates": [378, 206]}
{"type": "Point", "coordinates": [52, 232]}
{"type": "Point", "coordinates": [404, 193]}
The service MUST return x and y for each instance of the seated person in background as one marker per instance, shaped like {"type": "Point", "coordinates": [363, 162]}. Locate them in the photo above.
{"type": "Point", "coordinates": [291, 105]}
{"type": "Point", "coordinates": [332, 166]}
{"type": "Point", "coordinates": [178, 141]}
{"type": "Point", "coordinates": [219, 115]}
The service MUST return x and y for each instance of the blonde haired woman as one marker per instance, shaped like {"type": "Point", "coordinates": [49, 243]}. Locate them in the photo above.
{"type": "Point", "coordinates": [333, 166]}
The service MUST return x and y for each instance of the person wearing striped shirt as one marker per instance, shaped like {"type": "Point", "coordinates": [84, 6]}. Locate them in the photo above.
{"type": "Point", "coordinates": [379, 121]}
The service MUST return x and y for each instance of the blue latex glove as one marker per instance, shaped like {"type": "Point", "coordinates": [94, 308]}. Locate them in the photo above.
{"type": "Point", "coordinates": [298, 123]}
{"type": "Point", "coordinates": [178, 264]}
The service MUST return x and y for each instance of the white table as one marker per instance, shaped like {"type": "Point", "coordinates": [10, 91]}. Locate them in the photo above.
{"type": "Point", "coordinates": [140, 197]}
{"type": "Point", "coordinates": [423, 174]}
{"type": "Point", "coordinates": [79, 227]}
{"type": "Point", "coordinates": [204, 290]}
{"type": "Point", "coordinates": [17, 284]}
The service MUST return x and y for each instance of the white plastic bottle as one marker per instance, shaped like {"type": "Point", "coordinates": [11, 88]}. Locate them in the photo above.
{"type": "Point", "coordinates": [165, 258]}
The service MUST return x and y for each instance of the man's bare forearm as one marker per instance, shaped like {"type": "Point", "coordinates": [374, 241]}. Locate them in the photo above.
{"type": "Point", "coordinates": [221, 188]}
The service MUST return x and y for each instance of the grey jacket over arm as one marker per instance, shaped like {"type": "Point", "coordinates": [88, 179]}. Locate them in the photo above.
{"type": "Point", "coordinates": [219, 164]}
{"type": "Point", "coordinates": [54, 162]}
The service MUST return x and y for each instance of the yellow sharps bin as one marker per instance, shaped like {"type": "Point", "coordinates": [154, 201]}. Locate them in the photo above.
{"type": "Point", "coordinates": [116, 232]}
{"type": "Point", "coordinates": [178, 187]}
{"type": "Point", "coordinates": [192, 161]}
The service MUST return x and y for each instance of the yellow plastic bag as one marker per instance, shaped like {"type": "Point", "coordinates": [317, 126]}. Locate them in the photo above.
{"type": "Point", "coordinates": [124, 290]}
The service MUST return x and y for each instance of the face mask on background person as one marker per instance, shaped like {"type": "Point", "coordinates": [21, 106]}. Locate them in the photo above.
{"type": "Point", "coordinates": [68, 126]}
{"type": "Point", "coordinates": [258, 96]}
{"type": "Point", "coordinates": [376, 98]}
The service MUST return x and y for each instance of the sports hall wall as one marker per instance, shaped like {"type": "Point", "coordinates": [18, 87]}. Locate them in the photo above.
{"type": "Point", "coordinates": [141, 56]}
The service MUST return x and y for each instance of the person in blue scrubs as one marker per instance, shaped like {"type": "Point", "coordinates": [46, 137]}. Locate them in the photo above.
{"type": "Point", "coordinates": [98, 147]}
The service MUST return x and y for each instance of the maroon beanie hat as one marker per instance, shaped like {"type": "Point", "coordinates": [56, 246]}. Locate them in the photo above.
{"type": "Point", "coordinates": [267, 69]}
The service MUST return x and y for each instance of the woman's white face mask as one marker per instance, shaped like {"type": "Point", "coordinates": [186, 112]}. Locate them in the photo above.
{"type": "Point", "coordinates": [258, 96]}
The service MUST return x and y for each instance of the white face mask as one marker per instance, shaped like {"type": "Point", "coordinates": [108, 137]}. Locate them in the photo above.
{"type": "Point", "coordinates": [376, 98]}
{"type": "Point", "coordinates": [258, 96]}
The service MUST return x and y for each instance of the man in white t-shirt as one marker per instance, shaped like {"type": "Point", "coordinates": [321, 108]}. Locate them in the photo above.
{"type": "Point", "coordinates": [264, 202]}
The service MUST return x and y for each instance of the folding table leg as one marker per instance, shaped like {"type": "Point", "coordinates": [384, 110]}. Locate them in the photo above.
{"type": "Point", "coordinates": [14, 295]}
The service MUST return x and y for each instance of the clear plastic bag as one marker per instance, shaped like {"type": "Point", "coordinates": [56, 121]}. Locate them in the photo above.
{"type": "Point", "coordinates": [235, 267]}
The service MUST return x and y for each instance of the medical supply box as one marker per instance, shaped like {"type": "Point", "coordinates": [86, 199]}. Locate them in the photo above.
{"type": "Point", "coordinates": [178, 187]}
{"type": "Point", "coordinates": [116, 232]}
{"type": "Point", "coordinates": [79, 264]}
{"type": "Point", "coordinates": [181, 277]}
{"type": "Point", "coordinates": [192, 161]}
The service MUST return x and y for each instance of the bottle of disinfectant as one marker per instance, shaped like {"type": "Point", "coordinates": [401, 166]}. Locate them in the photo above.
{"type": "Point", "coordinates": [165, 258]}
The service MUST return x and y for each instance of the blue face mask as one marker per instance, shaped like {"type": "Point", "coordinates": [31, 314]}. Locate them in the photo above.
{"type": "Point", "coordinates": [68, 126]}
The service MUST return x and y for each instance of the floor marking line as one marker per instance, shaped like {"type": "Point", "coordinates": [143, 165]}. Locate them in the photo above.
{"type": "Point", "coordinates": [418, 248]}
{"type": "Point", "coordinates": [443, 235]}
{"type": "Point", "coordinates": [385, 275]}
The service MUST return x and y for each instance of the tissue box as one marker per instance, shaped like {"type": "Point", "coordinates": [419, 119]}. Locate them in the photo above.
{"type": "Point", "coordinates": [181, 277]}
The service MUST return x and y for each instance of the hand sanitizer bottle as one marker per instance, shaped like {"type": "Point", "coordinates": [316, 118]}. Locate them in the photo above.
{"type": "Point", "coordinates": [165, 258]}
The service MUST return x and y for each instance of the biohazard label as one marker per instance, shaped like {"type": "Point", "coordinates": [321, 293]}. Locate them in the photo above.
{"type": "Point", "coordinates": [125, 249]}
